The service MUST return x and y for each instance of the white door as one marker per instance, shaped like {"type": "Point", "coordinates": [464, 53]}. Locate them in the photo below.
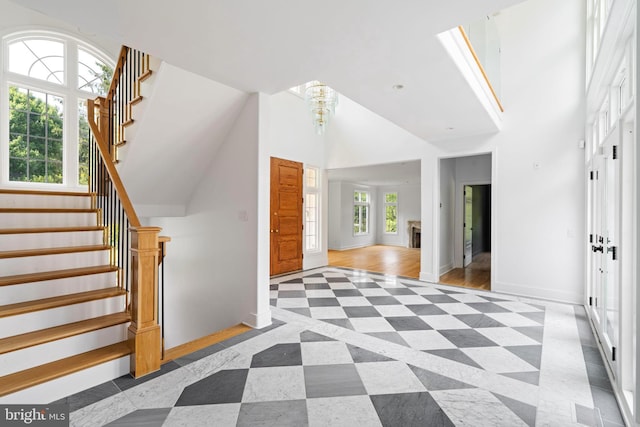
{"type": "Point", "coordinates": [605, 246]}
{"type": "Point", "coordinates": [611, 265]}
{"type": "Point", "coordinates": [468, 222]}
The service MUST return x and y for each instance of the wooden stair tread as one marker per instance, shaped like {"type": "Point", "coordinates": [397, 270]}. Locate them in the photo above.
{"type": "Point", "coordinates": [44, 192]}
{"type": "Point", "coordinates": [42, 336]}
{"type": "Point", "coordinates": [59, 368]}
{"type": "Point", "coordinates": [49, 230]}
{"type": "Point", "coordinates": [52, 251]}
{"type": "Point", "coordinates": [136, 100]}
{"type": "Point", "coordinates": [59, 301]}
{"type": "Point", "coordinates": [55, 274]}
{"type": "Point", "coordinates": [144, 76]}
{"type": "Point", "coordinates": [46, 210]}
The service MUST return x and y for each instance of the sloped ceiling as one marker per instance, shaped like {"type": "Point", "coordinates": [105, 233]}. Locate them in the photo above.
{"type": "Point", "coordinates": [360, 47]}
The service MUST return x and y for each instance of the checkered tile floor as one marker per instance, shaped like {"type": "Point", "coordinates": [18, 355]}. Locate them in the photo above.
{"type": "Point", "coordinates": [322, 381]}
{"type": "Point", "coordinates": [494, 334]}
{"type": "Point", "coordinates": [358, 349]}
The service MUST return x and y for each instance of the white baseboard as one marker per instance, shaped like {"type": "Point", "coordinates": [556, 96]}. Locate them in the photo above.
{"type": "Point", "coordinates": [446, 268]}
{"type": "Point", "coordinates": [258, 320]}
{"type": "Point", "coordinates": [429, 277]}
{"type": "Point", "coordinates": [346, 248]}
{"type": "Point", "coordinates": [533, 292]}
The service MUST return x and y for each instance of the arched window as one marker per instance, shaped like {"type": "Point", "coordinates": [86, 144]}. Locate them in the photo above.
{"type": "Point", "coordinates": [46, 80]}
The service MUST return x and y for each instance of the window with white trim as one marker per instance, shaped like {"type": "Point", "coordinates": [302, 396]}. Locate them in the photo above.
{"type": "Point", "coordinates": [361, 202]}
{"type": "Point", "coordinates": [391, 213]}
{"type": "Point", "coordinates": [46, 78]}
{"type": "Point", "coordinates": [312, 209]}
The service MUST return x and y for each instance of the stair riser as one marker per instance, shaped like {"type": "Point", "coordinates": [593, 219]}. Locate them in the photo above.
{"type": "Point", "coordinates": [29, 322]}
{"type": "Point", "coordinates": [19, 360]}
{"type": "Point", "coordinates": [14, 242]}
{"type": "Point", "coordinates": [37, 264]}
{"type": "Point", "coordinates": [44, 201]}
{"type": "Point", "coordinates": [53, 288]}
{"type": "Point", "coordinates": [70, 384]}
{"type": "Point", "coordinates": [35, 220]}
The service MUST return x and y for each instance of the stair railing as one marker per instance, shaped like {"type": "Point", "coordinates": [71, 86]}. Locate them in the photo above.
{"type": "Point", "coordinates": [124, 92]}
{"type": "Point", "coordinates": [135, 249]}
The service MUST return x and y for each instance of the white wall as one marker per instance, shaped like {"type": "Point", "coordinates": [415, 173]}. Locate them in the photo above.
{"type": "Point", "coordinates": [446, 213]}
{"type": "Point", "coordinates": [211, 265]}
{"type": "Point", "coordinates": [538, 218]}
{"type": "Point", "coordinates": [342, 202]}
{"type": "Point", "coordinates": [408, 210]}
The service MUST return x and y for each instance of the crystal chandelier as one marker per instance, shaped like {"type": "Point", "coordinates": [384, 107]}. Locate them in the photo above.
{"type": "Point", "coordinates": [322, 101]}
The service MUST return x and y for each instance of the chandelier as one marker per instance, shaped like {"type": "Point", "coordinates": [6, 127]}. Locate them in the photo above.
{"type": "Point", "coordinates": [322, 101]}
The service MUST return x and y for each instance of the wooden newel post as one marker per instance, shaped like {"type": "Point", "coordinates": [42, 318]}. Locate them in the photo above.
{"type": "Point", "coordinates": [144, 332]}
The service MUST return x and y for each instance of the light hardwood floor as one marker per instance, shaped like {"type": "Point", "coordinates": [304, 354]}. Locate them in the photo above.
{"type": "Point", "coordinates": [400, 261]}
{"type": "Point", "coordinates": [476, 275]}
{"type": "Point", "coordinates": [393, 260]}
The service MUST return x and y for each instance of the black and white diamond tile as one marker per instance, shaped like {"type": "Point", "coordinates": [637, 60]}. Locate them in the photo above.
{"type": "Point", "coordinates": [323, 381]}
{"type": "Point", "coordinates": [318, 381]}
{"type": "Point", "coordinates": [469, 327]}
{"type": "Point", "coordinates": [310, 379]}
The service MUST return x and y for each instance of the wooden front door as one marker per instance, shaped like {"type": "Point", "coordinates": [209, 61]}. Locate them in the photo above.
{"type": "Point", "coordinates": [286, 216]}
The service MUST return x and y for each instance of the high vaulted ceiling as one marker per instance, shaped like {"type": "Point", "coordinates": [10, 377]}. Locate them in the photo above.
{"type": "Point", "coordinates": [362, 48]}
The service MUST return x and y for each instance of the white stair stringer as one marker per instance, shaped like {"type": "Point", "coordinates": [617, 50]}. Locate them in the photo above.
{"type": "Point", "coordinates": [138, 110]}
{"type": "Point", "coordinates": [44, 319]}
{"type": "Point", "coordinates": [40, 263]}
{"type": "Point", "coordinates": [48, 352]}
{"type": "Point", "coordinates": [67, 385]}
{"type": "Point", "coordinates": [58, 239]}
{"type": "Point", "coordinates": [22, 292]}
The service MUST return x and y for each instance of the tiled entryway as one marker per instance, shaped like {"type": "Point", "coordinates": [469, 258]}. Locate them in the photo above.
{"type": "Point", "coordinates": [358, 349]}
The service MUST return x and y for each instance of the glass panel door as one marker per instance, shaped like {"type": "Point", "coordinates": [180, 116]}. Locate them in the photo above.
{"type": "Point", "coordinates": [605, 248]}
{"type": "Point", "coordinates": [611, 265]}
{"type": "Point", "coordinates": [597, 244]}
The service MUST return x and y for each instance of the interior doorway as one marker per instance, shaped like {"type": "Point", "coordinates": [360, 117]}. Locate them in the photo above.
{"type": "Point", "coordinates": [465, 221]}
{"type": "Point", "coordinates": [477, 224]}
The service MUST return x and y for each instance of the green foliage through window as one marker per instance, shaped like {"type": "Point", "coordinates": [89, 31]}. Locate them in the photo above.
{"type": "Point", "coordinates": [35, 136]}
{"type": "Point", "coordinates": [391, 212]}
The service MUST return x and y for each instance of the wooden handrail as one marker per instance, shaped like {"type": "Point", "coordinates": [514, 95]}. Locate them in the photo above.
{"type": "Point", "coordinates": [122, 57]}
{"type": "Point", "coordinates": [110, 166]}
{"type": "Point", "coordinates": [484, 74]}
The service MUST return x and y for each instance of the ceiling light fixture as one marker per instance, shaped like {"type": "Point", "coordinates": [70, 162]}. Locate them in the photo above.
{"type": "Point", "coordinates": [397, 87]}
{"type": "Point", "coordinates": [322, 101]}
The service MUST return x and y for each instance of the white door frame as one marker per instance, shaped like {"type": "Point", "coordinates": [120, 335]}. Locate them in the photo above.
{"type": "Point", "coordinates": [458, 233]}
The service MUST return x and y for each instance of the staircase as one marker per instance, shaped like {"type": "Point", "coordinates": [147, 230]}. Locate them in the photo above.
{"type": "Point", "coordinates": [63, 323]}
